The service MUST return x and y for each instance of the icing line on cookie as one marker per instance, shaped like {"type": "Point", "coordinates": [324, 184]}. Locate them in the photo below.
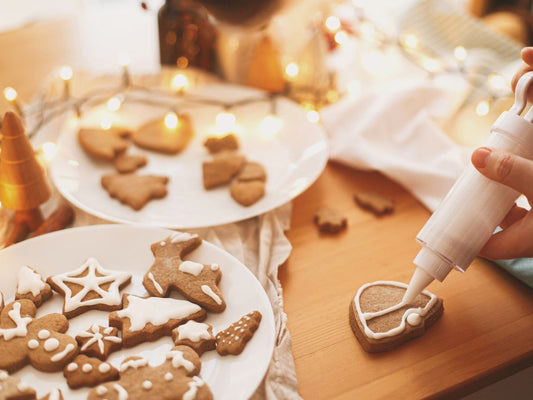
{"type": "Point", "coordinates": [21, 328]}
{"type": "Point", "coordinates": [156, 283]}
{"type": "Point", "coordinates": [364, 317]}
{"type": "Point", "coordinates": [193, 331]}
{"type": "Point", "coordinates": [208, 291]}
{"type": "Point", "coordinates": [122, 393]}
{"type": "Point", "coordinates": [62, 354]}
{"type": "Point", "coordinates": [179, 360]}
{"type": "Point", "coordinates": [190, 394]}
{"type": "Point", "coordinates": [29, 281]}
{"type": "Point", "coordinates": [179, 237]}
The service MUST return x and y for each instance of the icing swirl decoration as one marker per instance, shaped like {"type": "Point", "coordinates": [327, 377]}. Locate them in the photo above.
{"type": "Point", "coordinates": [94, 336]}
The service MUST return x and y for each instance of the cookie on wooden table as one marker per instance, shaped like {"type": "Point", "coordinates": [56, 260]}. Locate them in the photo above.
{"type": "Point", "coordinates": [103, 144]}
{"type": "Point", "coordinates": [329, 220]}
{"type": "Point", "coordinates": [374, 202]}
{"type": "Point", "coordinates": [382, 322]}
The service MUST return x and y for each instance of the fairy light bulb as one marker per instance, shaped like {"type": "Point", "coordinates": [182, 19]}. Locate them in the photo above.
{"type": "Point", "coordinates": [460, 53]}
{"type": "Point", "coordinates": [333, 23]}
{"type": "Point", "coordinates": [292, 70]}
{"type": "Point", "coordinates": [114, 103]}
{"type": "Point", "coordinates": [65, 73]}
{"type": "Point", "coordinates": [171, 120]}
{"type": "Point", "coordinates": [497, 81]}
{"type": "Point", "coordinates": [225, 122]}
{"type": "Point", "coordinates": [410, 41]}
{"type": "Point", "coordinates": [179, 83]}
{"type": "Point", "coordinates": [10, 94]}
{"type": "Point", "coordinates": [430, 64]}
{"type": "Point", "coordinates": [482, 108]}
{"type": "Point", "coordinates": [270, 125]}
{"type": "Point", "coordinates": [313, 116]}
{"type": "Point", "coordinates": [106, 124]}
{"type": "Point", "coordinates": [49, 150]}
{"type": "Point", "coordinates": [341, 38]}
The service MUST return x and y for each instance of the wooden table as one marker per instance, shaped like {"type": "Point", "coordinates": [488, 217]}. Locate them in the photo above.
{"type": "Point", "coordinates": [485, 334]}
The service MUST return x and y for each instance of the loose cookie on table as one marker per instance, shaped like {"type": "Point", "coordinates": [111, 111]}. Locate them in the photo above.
{"type": "Point", "coordinates": [144, 319]}
{"type": "Point", "coordinates": [11, 388]}
{"type": "Point", "coordinates": [196, 282]}
{"type": "Point", "coordinates": [157, 136]}
{"type": "Point", "coordinates": [176, 378]}
{"type": "Point", "coordinates": [247, 193]}
{"type": "Point", "coordinates": [381, 321]}
{"type": "Point", "coordinates": [374, 202]}
{"type": "Point", "coordinates": [216, 144]}
{"type": "Point", "coordinates": [99, 341]}
{"type": "Point", "coordinates": [233, 339]}
{"type": "Point", "coordinates": [329, 220]}
{"type": "Point", "coordinates": [31, 286]}
{"type": "Point", "coordinates": [127, 163]}
{"type": "Point", "coordinates": [103, 144]}
{"type": "Point", "coordinates": [41, 342]}
{"type": "Point", "coordinates": [196, 335]}
{"type": "Point", "coordinates": [85, 371]}
{"type": "Point", "coordinates": [135, 190]}
{"type": "Point", "coordinates": [90, 287]}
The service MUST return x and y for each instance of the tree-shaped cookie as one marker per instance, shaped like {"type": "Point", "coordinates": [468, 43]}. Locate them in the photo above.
{"type": "Point", "coordinates": [233, 339]}
{"type": "Point", "coordinates": [176, 378]}
{"type": "Point", "coordinates": [23, 186]}
{"type": "Point", "coordinates": [135, 190]}
{"type": "Point", "coordinates": [195, 281]}
{"type": "Point", "coordinates": [40, 342]}
{"type": "Point", "coordinates": [31, 286]}
{"type": "Point", "coordinates": [145, 319]}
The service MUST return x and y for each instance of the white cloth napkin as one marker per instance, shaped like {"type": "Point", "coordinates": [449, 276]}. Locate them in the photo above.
{"type": "Point", "coordinates": [393, 129]}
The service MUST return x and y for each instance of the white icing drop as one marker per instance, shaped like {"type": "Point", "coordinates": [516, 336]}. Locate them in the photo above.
{"type": "Point", "coordinates": [193, 385]}
{"type": "Point", "coordinates": [135, 363]}
{"type": "Point", "coordinates": [191, 267]}
{"type": "Point", "coordinates": [122, 393]}
{"type": "Point", "coordinates": [163, 243]}
{"type": "Point", "coordinates": [33, 344]}
{"type": "Point", "coordinates": [29, 281]}
{"type": "Point", "coordinates": [193, 331]}
{"type": "Point", "coordinates": [169, 376]}
{"type": "Point", "coordinates": [21, 328]}
{"type": "Point", "coordinates": [178, 360]}
{"type": "Point", "coordinates": [104, 368]}
{"type": "Point", "coordinates": [43, 334]}
{"type": "Point", "coordinates": [414, 319]}
{"type": "Point", "coordinates": [140, 311]}
{"type": "Point", "coordinates": [90, 282]}
{"type": "Point", "coordinates": [147, 385]}
{"type": "Point", "coordinates": [72, 367]}
{"type": "Point", "coordinates": [208, 291]}
{"type": "Point", "coordinates": [86, 368]}
{"type": "Point", "coordinates": [101, 390]}
{"type": "Point", "coordinates": [214, 267]}
{"type": "Point", "coordinates": [51, 344]}
{"type": "Point", "coordinates": [178, 237]}
{"type": "Point", "coordinates": [155, 283]}
{"type": "Point", "coordinates": [364, 317]}
{"type": "Point", "coordinates": [62, 354]}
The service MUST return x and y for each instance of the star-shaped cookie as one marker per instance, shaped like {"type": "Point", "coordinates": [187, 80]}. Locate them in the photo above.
{"type": "Point", "coordinates": [90, 287]}
{"type": "Point", "coordinates": [99, 341]}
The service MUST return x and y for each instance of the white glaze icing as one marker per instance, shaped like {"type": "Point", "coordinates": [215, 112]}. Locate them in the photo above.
{"type": "Point", "coordinates": [191, 267]}
{"type": "Point", "coordinates": [21, 328]}
{"type": "Point", "coordinates": [33, 344]}
{"type": "Point", "coordinates": [86, 368]}
{"type": "Point", "coordinates": [140, 311]}
{"type": "Point", "coordinates": [51, 344]}
{"type": "Point", "coordinates": [193, 331]}
{"type": "Point", "coordinates": [163, 243]}
{"type": "Point", "coordinates": [364, 317]}
{"type": "Point", "coordinates": [54, 395]}
{"type": "Point", "coordinates": [147, 385]}
{"type": "Point", "coordinates": [90, 282]}
{"type": "Point", "coordinates": [96, 337]}
{"type": "Point", "coordinates": [169, 376]}
{"type": "Point", "coordinates": [215, 267]}
{"type": "Point", "coordinates": [414, 319]}
{"type": "Point", "coordinates": [155, 283]}
{"type": "Point", "coordinates": [208, 291]}
{"type": "Point", "coordinates": [3, 375]}
{"type": "Point", "coordinates": [29, 281]}
{"type": "Point", "coordinates": [101, 390]}
{"type": "Point", "coordinates": [193, 385]}
{"type": "Point", "coordinates": [62, 354]}
{"type": "Point", "coordinates": [178, 360]}
{"type": "Point", "coordinates": [72, 367]}
{"type": "Point", "coordinates": [22, 386]}
{"type": "Point", "coordinates": [135, 363]}
{"type": "Point", "coordinates": [43, 334]}
{"type": "Point", "coordinates": [178, 237]}
{"type": "Point", "coordinates": [122, 393]}
{"type": "Point", "coordinates": [104, 368]}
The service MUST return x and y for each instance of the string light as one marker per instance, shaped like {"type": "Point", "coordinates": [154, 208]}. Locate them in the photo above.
{"type": "Point", "coordinates": [430, 64]}
{"type": "Point", "coordinates": [114, 103]}
{"type": "Point", "coordinates": [341, 37]}
{"type": "Point", "coordinates": [292, 70]}
{"type": "Point", "coordinates": [333, 23]}
{"type": "Point", "coordinates": [313, 116]}
{"type": "Point", "coordinates": [225, 122]}
{"type": "Point", "coordinates": [270, 126]}
{"type": "Point", "coordinates": [49, 150]}
{"type": "Point", "coordinates": [482, 108]}
{"type": "Point", "coordinates": [10, 94]}
{"type": "Point", "coordinates": [171, 120]}
{"type": "Point", "coordinates": [106, 124]}
{"type": "Point", "coordinates": [497, 82]}
{"type": "Point", "coordinates": [410, 41]}
{"type": "Point", "coordinates": [65, 73]}
{"type": "Point", "coordinates": [460, 53]}
{"type": "Point", "coordinates": [179, 83]}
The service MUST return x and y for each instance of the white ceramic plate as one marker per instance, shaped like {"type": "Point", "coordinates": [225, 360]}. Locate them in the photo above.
{"type": "Point", "coordinates": [293, 158]}
{"type": "Point", "coordinates": [128, 248]}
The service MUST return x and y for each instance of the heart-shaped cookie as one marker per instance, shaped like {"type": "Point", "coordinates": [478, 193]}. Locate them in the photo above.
{"type": "Point", "coordinates": [381, 321]}
{"type": "Point", "coordinates": [164, 138]}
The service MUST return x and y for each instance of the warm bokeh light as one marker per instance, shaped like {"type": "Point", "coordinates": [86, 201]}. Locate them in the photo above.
{"type": "Point", "coordinates": [482, 108]}
{"type": "Point", "coordinates": [333, 23]}
{"type": "Point", "coordinates": [10, 94]}
{"type": "Point", "coordinates": [430, 64]}
{"type": "Point", "coordinates": [225, 122]}
{"type": "Point", "coordinates": [106, 124]}
{"type": "Point", "coordinates": [270, 125]}
{"type": "Point", "coordinates": [341, 37]}
{"type": "Point", "coordinates": [410, 41]}
{"type": "Point", "coordinates": [497, 81]}
{"type": "Point", "coordinates": [313, 116]}
{"type": "Point", "coordinates": [114, 103]}
{"type": "Point", "coordinates": [123, 60]}
{"type": "Point", "coordinates": [332, 96]}
{"type": "Point", "coordinates": [367, 30]}
{"type": "Point", "coordinates": [179, 82]}
{"type": "Point", "coordinates": [65, 73]}
{"type": "Point", "coordinates": [49, 150]}
{"type": "Point", "coordinates": [171, 120]}
{"type": "Point", "coordinates": [292, 69]}
{"type": "Point", "coordinates": [460, 53]}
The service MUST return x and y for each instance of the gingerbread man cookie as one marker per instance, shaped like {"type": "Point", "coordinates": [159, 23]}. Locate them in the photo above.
{"type": "Point", "coordinates": [135, 190]}
{"type": "Point", "coordinates": [11, 388]}
{"type": "Point", "coordinates": [176, 378]}
{"type": "Point", "coordinates": [40, 342]}
{"type": "Point", "coordinates": [85, 371]}
{"type": "Point", "coordinates": [90, 287]}
{"type": "Point", "coordinates": [99, 341]}
{"type": "Point", "coordinates": [196, 335]}
{"type": "Point", "coordinates": [149, 318]}
{"type": "Point", "coordinates": [31, 286]}
{"type": "Point", "coordinates": [233, 339]}
{"type": "Point", "coordinates": [195, 281]}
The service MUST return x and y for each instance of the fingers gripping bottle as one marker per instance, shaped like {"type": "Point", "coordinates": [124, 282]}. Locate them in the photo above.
{"type": "Point", "coordinates": [473, 208]}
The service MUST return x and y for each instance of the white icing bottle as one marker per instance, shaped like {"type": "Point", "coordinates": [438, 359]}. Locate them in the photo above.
{"type": "Point", "coordinates": [475, 205]}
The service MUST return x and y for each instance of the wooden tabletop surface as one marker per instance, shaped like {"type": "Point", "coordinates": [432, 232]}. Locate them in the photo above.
{"type": "Point", "coordinates": [485, 333]}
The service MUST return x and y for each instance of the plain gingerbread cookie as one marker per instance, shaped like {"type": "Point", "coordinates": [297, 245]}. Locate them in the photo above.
{"type": "Point", "coordinates": [156, 136]}
{"type": "Point", "coordinates": [103, 144]}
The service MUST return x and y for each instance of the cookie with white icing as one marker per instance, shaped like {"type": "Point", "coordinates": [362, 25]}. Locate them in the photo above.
{"type": "Point", "coordinates": [99, 341]}
{"type": "Point", "coordinates": [176, 378]}
{"type": "Point", "coordinates": [233, 339]}
{"type": "Point", "coordinates": [381, 321]}
{"type": "Point", "coordinates": [90, 287]}
{"type": "Point", "coordinates": [31, 286]}
{"type": "Point", "coordinates": [196, 282]}
{"type": "Point", "coordinates": [86, 371]}
{"type": "Point", "coordinates": [55, 394]}
{"type": "Point", "coordinates": [11, 388]}
{"type": "Point", "coordinates": [196, 335]}
{"type": "Point", "coordinates": [41, 342]}
{"type": "Point", "coordinates": [145, 319]}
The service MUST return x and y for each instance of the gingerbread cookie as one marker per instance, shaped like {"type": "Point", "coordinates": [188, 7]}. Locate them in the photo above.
{"type": "Point", "coordinates": [40, 342]}
{"type": "Point", "coordinates": [31, 286]}
{"type": "Point", "coordinates": [127, 163]}
{"type": "Point", "coordinates": [252, 171]}
{"type": "Point", "coordinates": [103, 144]}
{"type": "Point", "coordinates": [55, 394]}
{"type": "Point", "coordinates": [196, 335]}
{"type": "Point", "coordinates": [195, 281]}
{"type": "Point", "coordinates": [217, 144]}
{"type": "Point", "coordinates": [99, 341]}
{"type": "Point", "coordinates": [135, 190]}
{"type": "Point", "coordinates": [381, 321]}
{"type": "Point", "coordinates": [221, 170]}
{"type": "Point", "coordinates": [157, 136]}
{"type": "Point", "coordinates": [176, 378]}
{"type": "Point", "coordinates": [140, 323]}
{"type": "Point", "coordinates": [90, 287]}
{"type": "Point", "coordinates": [375, 203]}
{"type": "Point", "coordinates": [233, 339]}
{"type": "Point", "coordinates": [11, 388]}
{"type": "Point", "coordinates": [329, 220]}
{"type": "Point", "coordinates": [84, 371]}
{"type": "Point", "coordinates": [247, 193]}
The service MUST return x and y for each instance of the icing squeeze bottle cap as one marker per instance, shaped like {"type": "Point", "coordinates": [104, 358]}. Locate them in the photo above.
{"type": "Point", "coordinates": [473, 208]}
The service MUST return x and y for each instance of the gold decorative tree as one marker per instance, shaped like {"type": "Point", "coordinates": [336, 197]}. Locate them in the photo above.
{"type": "Point", "coordinates": [23, 186]}
{"type": "Point", "coordinates": [265, 70]}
